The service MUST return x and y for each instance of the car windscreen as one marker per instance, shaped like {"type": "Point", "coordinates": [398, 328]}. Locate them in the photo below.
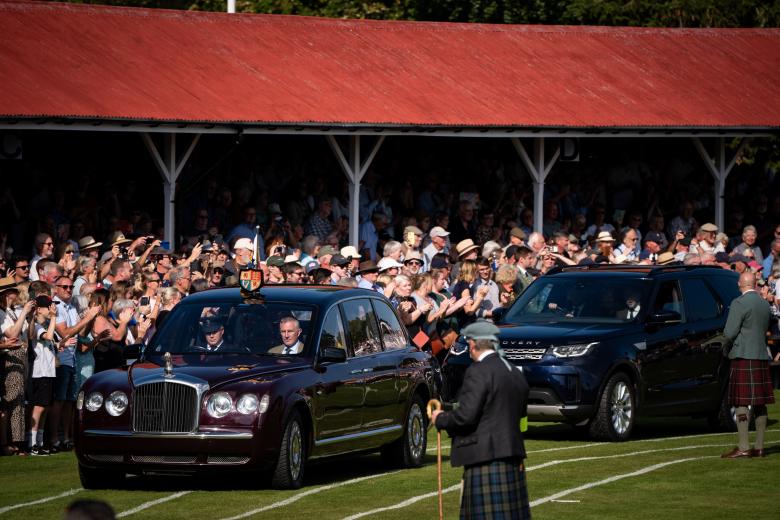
{"type": "Point", "coordinates": [233, 327]}
{"type": "Point", "coordinates": [585, 299]}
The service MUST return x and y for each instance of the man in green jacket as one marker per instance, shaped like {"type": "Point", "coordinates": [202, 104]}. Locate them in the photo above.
{"type": "Point", "coordinates": [749, 381]}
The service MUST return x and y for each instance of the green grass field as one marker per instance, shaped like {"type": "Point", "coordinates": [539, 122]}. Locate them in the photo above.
{"type": "Point", "coordinates": [671, 469]}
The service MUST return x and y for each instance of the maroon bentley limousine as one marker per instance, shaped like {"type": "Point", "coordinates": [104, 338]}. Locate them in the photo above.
{"type": "Point", "coordinates": [263, 384]}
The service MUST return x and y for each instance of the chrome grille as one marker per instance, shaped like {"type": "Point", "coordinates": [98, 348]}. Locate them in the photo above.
{"type": "Point", "coordinates": [167, 459]}
{"type": "Point", "coordinates": [524, 354]}
{"type": "Point", "coordinates": [226, 459]}
{"type": "Point", "coordinates": [165, 407]}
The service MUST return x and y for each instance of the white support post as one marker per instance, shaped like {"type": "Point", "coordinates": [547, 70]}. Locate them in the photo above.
{"type": "Point", "coordinates": [170, 169]}
{"type": "Point", "coordinates": [720, 171]}
{"type": "Point", "coordinates": [354, 169]}
{"type": "Point", "coordinates": [539, 168]}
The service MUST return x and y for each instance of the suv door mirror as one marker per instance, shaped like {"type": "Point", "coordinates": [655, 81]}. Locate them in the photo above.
{"type": "Point", "coordinates": [333, 355]}
{"type": "Point", "coordinates": [664, 318]}
{"type": "Point", "coordinates": [133, 352]}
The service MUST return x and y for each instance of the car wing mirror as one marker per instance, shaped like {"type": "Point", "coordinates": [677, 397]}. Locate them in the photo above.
{"type": "Point", "coordinates": [664, 318]}
{"type": "Point", "coordinates": [499, 313]}
{"type": "Point", "coordinates": [133, 352]}
{"type": "Point", "coordinates": [333, 355]}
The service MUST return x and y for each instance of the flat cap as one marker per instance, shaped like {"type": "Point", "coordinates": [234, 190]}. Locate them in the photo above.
{"type": "Point", "coordinates": [481, 330]}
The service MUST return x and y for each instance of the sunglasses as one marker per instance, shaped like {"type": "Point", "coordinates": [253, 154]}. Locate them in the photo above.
{"type": "Point", "coordinates": [219, 270]}
{"type": "Point", "coordinates": [66, 287]}
{"type": "Point", "coordinates": [413, 262]}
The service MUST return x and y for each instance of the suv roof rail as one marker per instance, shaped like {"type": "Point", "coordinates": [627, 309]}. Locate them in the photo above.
{"type": "Point", "coordinates": [650, 269]}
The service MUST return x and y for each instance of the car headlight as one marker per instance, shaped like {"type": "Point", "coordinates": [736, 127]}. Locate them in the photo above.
{"type": "Point", "coordinates": [567, 351]}
{"type": "Point", "coordinates": [247, 404]}
{"type": "Point", "coordinates": [94, 401]}
{"type": "Point", "coordinates": [80, 400]}
{"type": "Point", "coordinates": [264, 404]}
{"type": "Point", "coordinates": [116, 404]}
{"type": "Point", "coordinates": [219, 404]}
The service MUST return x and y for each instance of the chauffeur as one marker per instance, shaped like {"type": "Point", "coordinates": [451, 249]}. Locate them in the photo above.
{"type": "Point", "coordinates": [485, 431]}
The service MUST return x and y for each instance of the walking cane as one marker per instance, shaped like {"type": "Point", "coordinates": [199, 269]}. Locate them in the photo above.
{"type": "Point", "coordinates": [435, 404]}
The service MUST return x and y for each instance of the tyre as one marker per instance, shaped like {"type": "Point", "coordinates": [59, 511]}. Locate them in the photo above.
{"type": "Point", "coordinates": [616, 414]}
{"type": "Point", "coordinates": [289, 470]}
{"type": "Point", "coordinates": [409, 450]}
{"type": "Point", "coordinates": [92, 478]}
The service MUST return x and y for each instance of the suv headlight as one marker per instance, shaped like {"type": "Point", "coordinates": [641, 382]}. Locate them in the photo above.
{"type": "Point", "coordinates": [567, 351]}
{"type": "Point", "coordinates": [116, 404]}
{"type": "Point", "coordinates": [94, 401]}
{"type": "Point", "coordinates": [219, 404]}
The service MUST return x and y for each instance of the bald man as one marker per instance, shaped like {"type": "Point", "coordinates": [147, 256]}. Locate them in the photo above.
{"type": "Point", "coordinates": [750, 382]}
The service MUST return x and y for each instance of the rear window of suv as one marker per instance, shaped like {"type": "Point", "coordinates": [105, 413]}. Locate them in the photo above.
{"type": "Point", "coordinates": [585, 299]}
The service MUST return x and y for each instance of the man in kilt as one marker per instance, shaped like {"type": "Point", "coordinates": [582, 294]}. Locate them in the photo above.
{"type": "Point", "coordinates": [750, 383]}
{"type": "Point", "coordinates": [485, 431]}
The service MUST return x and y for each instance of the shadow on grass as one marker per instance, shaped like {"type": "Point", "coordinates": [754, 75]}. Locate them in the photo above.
{"type": "Point", "coordinates": [318, 473]}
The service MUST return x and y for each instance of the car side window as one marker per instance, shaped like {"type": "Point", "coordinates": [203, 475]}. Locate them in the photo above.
{"type": "Point", "coordinates": [702, 304]}
{"type": "Point", "coordinates": [361, 327]}
{"type": "Point", "coordinates": [390, 329]}
{"type": "Point", "coordinates": [332, 334]}
{"type": "Point", "coordinates": [669, 298]}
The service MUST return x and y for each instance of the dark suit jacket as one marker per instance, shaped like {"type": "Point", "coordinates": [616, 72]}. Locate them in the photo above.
{"type": "Point", "coordinates": [486, 424]}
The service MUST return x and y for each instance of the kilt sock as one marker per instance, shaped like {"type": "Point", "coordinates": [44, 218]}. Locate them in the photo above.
{"type": "Point", "coordinates": [761, 419]}
{"type": "Point", "coordinates": [743, 423]}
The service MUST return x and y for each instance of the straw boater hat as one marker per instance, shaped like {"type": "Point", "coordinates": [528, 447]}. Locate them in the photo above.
{"type": "Point", "coordinates": [86, 243]}
{"type": "Point", "coordinates": [664, 258]}
{"type": "Point", "coordinates": [465, 246]}
{"type": "Point", "coordinates": [605, 236]}
{"type": "Point", "coordinates": [7, 283]}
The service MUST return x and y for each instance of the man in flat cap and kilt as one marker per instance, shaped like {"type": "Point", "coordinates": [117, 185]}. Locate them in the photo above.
{"type": "Point", "coordinates": [750, 383]}
{"type": "Point", "coordinates": [485, 431]}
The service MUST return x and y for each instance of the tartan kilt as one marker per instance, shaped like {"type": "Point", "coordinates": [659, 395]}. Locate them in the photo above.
{"type": "Point", "coordinates": [750, 383]}
{"type": "Point", "coordinates": [495, 490]}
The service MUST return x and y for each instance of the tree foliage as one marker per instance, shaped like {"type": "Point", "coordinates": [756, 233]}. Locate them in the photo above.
{"type": "Point", "coordinates": [645, 13]}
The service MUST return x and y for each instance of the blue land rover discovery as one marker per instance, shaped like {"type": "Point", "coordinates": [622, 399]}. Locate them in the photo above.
{"type": "Point", "coordinates": [601, 344]}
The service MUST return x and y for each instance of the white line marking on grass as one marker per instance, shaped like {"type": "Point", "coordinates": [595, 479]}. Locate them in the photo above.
{"type": "Point", "coordinates": [40, 501]}
{"type": "Point", "coordinates": [152, 503]}
{"type": "Point", "coordinates": [403, 504]}
{"type": "Point", "coordinates": [295, 498]}
{"type": "Point", "coordinates": [555, 497]}
{"type": "Point", "coordinates": [592, 444]}
{"type": "Point", "coordinates": [567, 501]}
{"type": "Point", "coordinates": [631, 454]}
{"type": "Point", "coordinates": [614, 478]}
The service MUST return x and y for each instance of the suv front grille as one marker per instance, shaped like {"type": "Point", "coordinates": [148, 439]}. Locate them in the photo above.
{"type": "Point", "coordinates": [165, 407]}
{"type": "Point", "coordinates": [524, 354]}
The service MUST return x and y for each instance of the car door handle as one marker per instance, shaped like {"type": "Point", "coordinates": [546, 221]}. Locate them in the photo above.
{"type": "Point", "coordinates": [357, 371]}
{"type": "Point", "coordinates": [368, 370]}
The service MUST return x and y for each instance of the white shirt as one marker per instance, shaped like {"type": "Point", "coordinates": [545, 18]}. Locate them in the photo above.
{"type": "Point", "coordinates": [44, 364]}
{"type": "Point", "coordinates": [293, 349]}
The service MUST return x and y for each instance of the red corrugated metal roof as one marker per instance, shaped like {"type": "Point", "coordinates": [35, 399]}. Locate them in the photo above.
{"type": "Point", "coordinates": [80, 61]}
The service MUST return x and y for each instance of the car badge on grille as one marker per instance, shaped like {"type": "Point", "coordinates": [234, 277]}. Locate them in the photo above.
{"type": "Point", "coordinates": [168, 365]}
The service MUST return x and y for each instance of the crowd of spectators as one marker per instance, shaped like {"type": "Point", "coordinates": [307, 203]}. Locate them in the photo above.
{"type": "Point", "coordinates": [443, 256]}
